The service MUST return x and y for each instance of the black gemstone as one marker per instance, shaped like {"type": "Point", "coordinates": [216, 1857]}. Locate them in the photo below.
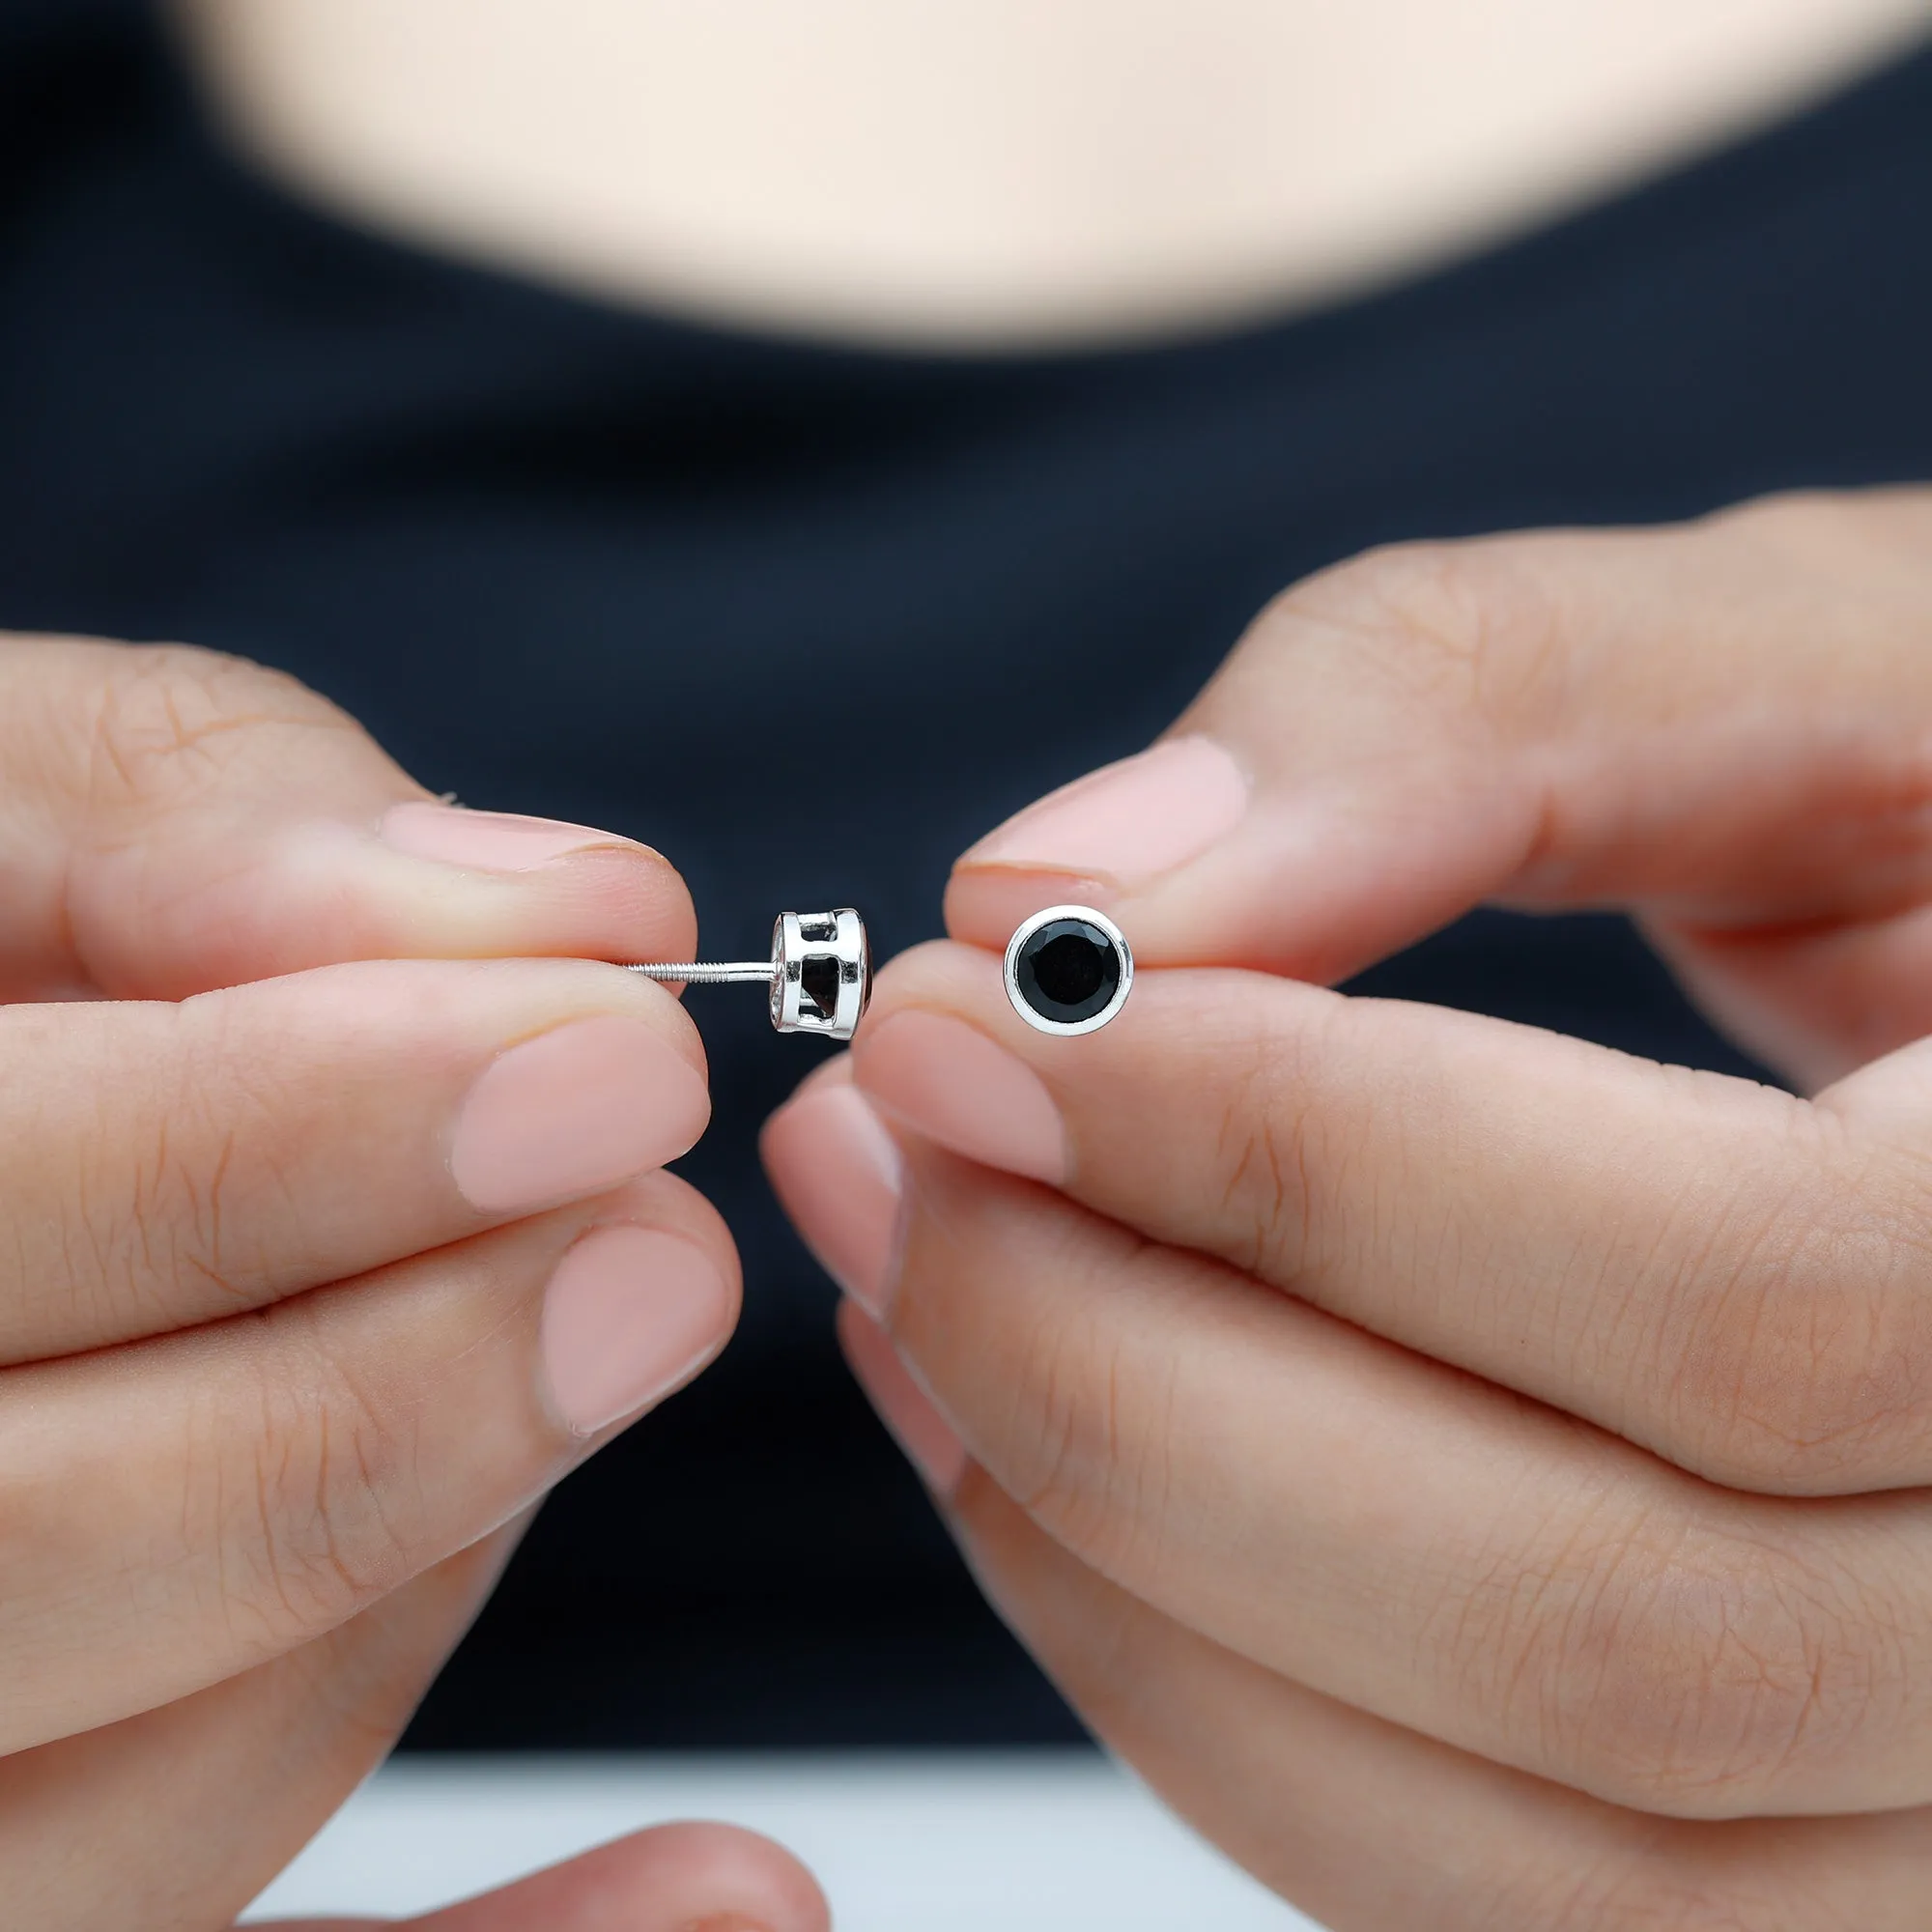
{"type": "Point", "coordinates": [818, 982]}
{"type": "Point", "coordinates": [1067, 971]}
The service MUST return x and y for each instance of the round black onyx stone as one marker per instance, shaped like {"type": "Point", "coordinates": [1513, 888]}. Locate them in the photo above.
{"type": "Point", "coordinates": [1067, 971]}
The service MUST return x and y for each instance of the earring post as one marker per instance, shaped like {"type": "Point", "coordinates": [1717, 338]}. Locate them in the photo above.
{"type": "Point", "coordinates": [710, 972]}
{"type": "Point", "coordinates": [817, 979]}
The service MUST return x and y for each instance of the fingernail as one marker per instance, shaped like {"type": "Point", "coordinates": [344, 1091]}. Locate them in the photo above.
{"type": "Point", "coordinates": [489, 841]}
{"type": "Point", "coordinates": [629, 1314]}
{"type": "Point", "coordinates": [926, 1436]}
{"type": "Point", "coordinates": [574, 1111]}
{"type": "Point", "coordinates": [957, 1087]}
{"type": "Point", "coordinates": [839, 1178]}
{"type": "Point", "coordinates": [1128, 822]}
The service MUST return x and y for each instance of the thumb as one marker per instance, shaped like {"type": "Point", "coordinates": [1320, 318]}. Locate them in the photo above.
{"type": "Point", "coordinates": [171, 821]}
{"type": "Point", "coordinates": [1722, 724]}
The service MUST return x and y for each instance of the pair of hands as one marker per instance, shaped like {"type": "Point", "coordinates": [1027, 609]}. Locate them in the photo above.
{"type": "Point", "coordinates": [1470, 1473]}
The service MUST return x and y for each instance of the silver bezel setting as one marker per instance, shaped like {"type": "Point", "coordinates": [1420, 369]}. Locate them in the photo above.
{"type": "Point", "coordinates": [836, 938]}
{"type": "Point", "coordinates": [1066, 1029]}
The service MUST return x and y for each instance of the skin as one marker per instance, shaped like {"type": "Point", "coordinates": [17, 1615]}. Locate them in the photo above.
{"type": "Point", "coordinates": [1478, 1477]}
{"type": "Point", "coordinates": [992, 175]}
{"type": "Point", "coordinates": [249, 1318]}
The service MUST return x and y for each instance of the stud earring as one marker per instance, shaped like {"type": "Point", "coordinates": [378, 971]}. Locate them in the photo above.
{"type": "Point", "coordinates": [1069, 970]}
{"type": "Point", "coordinates": [820, 972]}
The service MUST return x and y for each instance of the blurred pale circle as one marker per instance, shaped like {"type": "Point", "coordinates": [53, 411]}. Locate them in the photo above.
{"type": "Point", "coordinates": [989, 172]}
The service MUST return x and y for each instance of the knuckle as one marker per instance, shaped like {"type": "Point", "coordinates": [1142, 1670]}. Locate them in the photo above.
{"type": "Point", "coordinates": [1086, 1446]}
{"type": "Point", "coordinates": [1266, 1128]}
{"type": "Point", "coordinates": [1056, 1445]}
{"type": "Point", "coordinates": [150, 1223]}
{"type": "Point", "coordinates": [1306, 1131]}
{"type": "Point", "coordinates": [1809, 1363]}
{"type": "Point", "coordinates": [172, 721]}
{"type": "Point", "coordinates": [321, 1509]}
{"type": "Point", "coordinates": [1697, 1680]}
{"type": "Point", "coordinates": [1665, 1894]}
{"type": "Point", "coordinates": [163, 1230]}
{"type": "Point", "coordinates": [1471, 622]}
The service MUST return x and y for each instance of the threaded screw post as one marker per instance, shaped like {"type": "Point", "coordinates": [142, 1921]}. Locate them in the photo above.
{"type": "Point", "coordinates": [710, 972]}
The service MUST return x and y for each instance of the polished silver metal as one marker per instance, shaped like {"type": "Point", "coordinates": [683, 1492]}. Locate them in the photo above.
{"type": "Point", "coordinates": [1122, 954]}
{"type": "Point", "coordinates": [820, 972]}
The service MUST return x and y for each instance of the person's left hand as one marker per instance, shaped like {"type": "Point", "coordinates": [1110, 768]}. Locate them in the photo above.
{"type": "Point", "coordinates": [1479, 1478]}
{"type": "Point", "coordinates": [284, 1359]}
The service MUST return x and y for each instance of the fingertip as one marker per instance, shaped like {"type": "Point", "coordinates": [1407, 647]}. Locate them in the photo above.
{"type": "Point", "coordinates": [828, 1076]}
{"type": "Point", "coordinates": [631, 1315]}
{"type": "Point", "coordinates": [984, 904]}
{"type": "Point", "coordinates": [839, 1175]}
{"type": "Point", "coordinates": [1129, 821]}
{"type": "Point", "coordinates": [629, 891]}
{"type": "Point", "coordinates": [569, 888]}
{"type": "Point", "coordinates": [671, 1205]}
{"type": "Point", "coordinates": [764, 1883]}
{"type": "Point", "coordinates": [674, 1878]}
{"type": "Point", "coordinates": [834, 1071]}
{"type": "Point", "coordinates": [1112, 836]}
{"type": "Point", "coordinates": [488, 841]}
{"type": "Point", "coordinates": [578, 1107]}
{"type": "Point", "coordinates": [955, 1083]}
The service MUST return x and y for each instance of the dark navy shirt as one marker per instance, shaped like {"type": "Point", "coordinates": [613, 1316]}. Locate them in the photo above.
{"type": "Point", "coordinates": [812, 619]}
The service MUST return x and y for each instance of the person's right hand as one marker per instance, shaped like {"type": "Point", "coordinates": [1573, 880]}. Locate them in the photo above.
{"type": "Point", "coordinates": [331, 1235]}
{"type": "Point", "coordinates": [1482, 1480]}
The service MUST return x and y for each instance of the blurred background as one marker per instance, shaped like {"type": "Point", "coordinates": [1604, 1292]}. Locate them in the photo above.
{"type": "Point", "coordinates": [805, 461]}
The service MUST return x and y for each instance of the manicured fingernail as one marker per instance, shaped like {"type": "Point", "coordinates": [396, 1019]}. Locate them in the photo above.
{"type": "Point", "coordinates": [1129, 822]}
{"type": "Point", "coordinates": [574, 1111]}
{"type": "Point", "coordinates": [957, 1087]}
{"type": "Point", "coordinates": [629, 1314]}
{"type": "Point", "coordinates": [904, 1407]}
{"type": "Point", "coordinates": [489, 841]}
{"type": "Point", "coordinates": [840, 1179]}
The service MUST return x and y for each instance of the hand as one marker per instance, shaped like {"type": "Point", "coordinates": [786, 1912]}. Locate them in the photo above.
{"type": "Point", "coordinates": [309, 1283]}
{"type": "Point", "coordinates": [1478, 1477]}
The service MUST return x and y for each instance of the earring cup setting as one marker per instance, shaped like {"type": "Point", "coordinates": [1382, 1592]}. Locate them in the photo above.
{"type": "Point", "coordinates": [819, 975]}
{"type": "Point", "coordinates": [1069, 970]}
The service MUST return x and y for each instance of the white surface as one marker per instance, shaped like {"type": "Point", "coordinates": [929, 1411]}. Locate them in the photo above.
{"type": "Point", "coordinates": [1040, 1842]}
